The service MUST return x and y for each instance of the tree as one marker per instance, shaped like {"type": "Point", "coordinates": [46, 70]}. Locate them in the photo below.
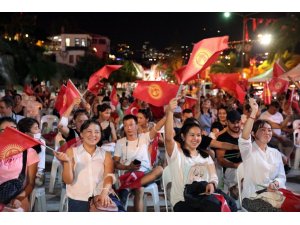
{"type": "Point", "coordinates": [286, 35]}
{"type": "Point", "coordinates": [87, 65]}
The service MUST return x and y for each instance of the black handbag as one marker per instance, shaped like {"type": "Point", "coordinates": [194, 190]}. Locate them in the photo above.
{"type": "Point", "coordinates": [12, 188]}
{"type": "Point", "coordinates": [192, 193]}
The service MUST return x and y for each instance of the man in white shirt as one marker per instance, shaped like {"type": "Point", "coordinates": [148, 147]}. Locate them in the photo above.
{"type": "Point", "coordinates": [131, 155]}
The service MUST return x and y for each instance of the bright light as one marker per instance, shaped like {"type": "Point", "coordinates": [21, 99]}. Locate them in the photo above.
{"type": "Point", "coordinates": [227, 14]}
{"type": "Point", "coordinates": [265, 39]}
{"type": "Point", "coordinates": [94, 49]}
{"type": "Point", "coordinates": [26, 35]}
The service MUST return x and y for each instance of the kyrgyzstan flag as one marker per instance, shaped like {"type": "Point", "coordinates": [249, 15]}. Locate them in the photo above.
{"type": "Point", "coordinates": [27, 90]}
{"type": "Point", "coordinates": [13, 142]}
{"type": "Point", "coordinates": [75, 142]}
{"type": "Point", "coordinates": [229, 83]}
{"type": "Point", "coordinates": [114, 96]}
{"type": "Point", "coordinates": [104, 72]}
{"type": "Point", "coordinates": [204, 54]}
{"type": "Point", "coordinates": [266, 95]}
{"type": "Point", "coordinates": [60, 98]}
{"type": "Point", "coordinates": [278, 85]}
{"type": "Point", "coordinates": [157, 93]}
{"type": "Point", "coordinates": [133, 109]}
{"type": "Point", "coordinates": [70, 94]}
{"type": "Point", "coordinates": [189, 102]}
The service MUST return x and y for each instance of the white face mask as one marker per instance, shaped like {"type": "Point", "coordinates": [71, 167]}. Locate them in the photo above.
{"type": "Point", "coordinates": [37, 136]}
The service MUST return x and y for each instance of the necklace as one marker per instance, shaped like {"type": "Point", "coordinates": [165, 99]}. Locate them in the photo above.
{"type": "Point", "coordinates": [137, 146]}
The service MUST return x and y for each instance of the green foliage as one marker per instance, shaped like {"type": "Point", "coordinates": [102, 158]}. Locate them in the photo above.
{"type": "Point", "coordinates": [227, 64]}
{"type": "Point", "coordinates": [286, 35]}
{"type": "Point", "coordinates": [127, 73]}
{"type": "Point", "coordinates": [87, 65]}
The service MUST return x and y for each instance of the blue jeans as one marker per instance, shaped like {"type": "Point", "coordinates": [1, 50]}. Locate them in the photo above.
{"type": "Point", "coordinates": [78, 206]}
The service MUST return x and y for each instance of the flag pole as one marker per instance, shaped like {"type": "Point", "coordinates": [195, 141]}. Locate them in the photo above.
{"type": "Point", "coordinates": [179, 90]}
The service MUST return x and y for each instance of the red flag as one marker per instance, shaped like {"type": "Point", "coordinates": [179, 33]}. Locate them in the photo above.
{"type": "Point", "coordinates": [60, 98]}
{"type": "Point", "coordinates": [189, 102]}
{"type": "Point", "coordinates": [204, 54]}
{"type": "Point", "coordinates": [278, 69]}
{"type": "Point", "coordinates": [104, 72]}
{"type": "Point", "coordinates": [224, 205]}
{"type": "Point", "coordinates": [278, 85]}
{"type": "Point", "coordinates": [95, 89]}
{"type": "Point", "coordinates": [70, 94]}
{"type": "Point", "coordinates": [266, 95]}
{"type": "Point", "coordinates": [157, 93]}
{"type": "Point", "coordinates": [13, 142]}
{"type": "Point", "coordinates": [27, 90]}
{"type": "Point", "coordinates": [229, 83]}
{"type": "Point", "coordinates": [133, 109]}
{"type": "Point", "coordinates": [75, 142]}
{"type": "Point", "coordinates": [114, 96]}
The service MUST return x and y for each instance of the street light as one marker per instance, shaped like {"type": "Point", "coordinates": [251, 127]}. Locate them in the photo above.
{"type": "Point", "coordinates": [245, 20]}
{"type": "Point", "coordinates": [264, 39]}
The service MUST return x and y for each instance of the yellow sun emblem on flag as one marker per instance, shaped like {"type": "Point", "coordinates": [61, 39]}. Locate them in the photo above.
{"type": "Point", "coordinates": [278, 85]}
{"type": "Point", "coordinates": [201, 57]}
{"type": "Point", "coordinates": [10, 150]}
{"type": "Point", "coordinates": [155, 91]}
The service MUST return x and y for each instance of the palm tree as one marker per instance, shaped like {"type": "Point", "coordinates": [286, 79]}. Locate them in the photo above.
{"type": "Point", "coordinates": [286, 35]}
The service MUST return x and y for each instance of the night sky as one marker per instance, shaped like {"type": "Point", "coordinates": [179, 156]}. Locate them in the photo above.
{"type": "Point", "coordinates": [160, 29]}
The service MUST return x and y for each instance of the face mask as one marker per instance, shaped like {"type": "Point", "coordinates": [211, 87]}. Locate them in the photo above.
{"type": "Point", "coordinates": [37, 136]}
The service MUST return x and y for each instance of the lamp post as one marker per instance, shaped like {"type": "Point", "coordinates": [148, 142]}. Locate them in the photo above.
{"type": "Point", "coordinates": [245, 18]}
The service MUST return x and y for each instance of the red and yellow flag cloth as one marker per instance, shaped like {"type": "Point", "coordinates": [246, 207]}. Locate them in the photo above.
{"type": "Point", "coordinates": [204, 53]}
{"type": "Point", "coordinates": [60, 98]}
{"type": "Point", "coordinates": [189, 102]}
{"type": "Point", "coordinates": [114, 96]}
{"type": "Point", "coordinates": [69, 96]}
{"type": "Point", "coordinates": [95, 78]}
{"type": "Point", "coordinates": [229, 83]}
{"type": "Point", "coordinates": [133, 109]}
{"type": "Point", "coordinates": [13, 142]}
{"type": "Point", "coordinates": [157, 93]}
{"type": "Point", "coordinates": [266, 95]}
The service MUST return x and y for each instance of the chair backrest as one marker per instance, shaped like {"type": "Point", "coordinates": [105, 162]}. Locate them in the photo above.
{"type": "Point", "coordinates": [49, 128]}
{"type": "Point", "coordinates": [296, 134]}
{"type": "Point", "coordinates": [166, 179]}
{"type": "Point", "coordinates": [239, 177]}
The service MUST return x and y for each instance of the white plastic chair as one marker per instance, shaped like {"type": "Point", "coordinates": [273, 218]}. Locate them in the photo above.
{"type": "Point", "coordinates": [239, 177]}
{"type": "Point", "coordinates": [297, 145]}
{"type": "Point", "coordinates": [153, 190]}
{"type": "Point", "coordinates": [48, 125]}
{"type": "Point", "coordinates": [166, 179]}
{"type": "Point", "coordinates": [38, 200]}
{"type": "Point", "coordinates": [63, 205]}
{"type": "Point", "coordinates": [56, 168]}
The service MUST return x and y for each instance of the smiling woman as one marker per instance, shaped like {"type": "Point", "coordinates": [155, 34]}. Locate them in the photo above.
{"type": "Point", "coordinates": [87, 170]}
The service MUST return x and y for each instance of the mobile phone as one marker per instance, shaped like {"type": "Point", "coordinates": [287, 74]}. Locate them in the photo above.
{"type": "Point", "coordinates": [136, 162]}
{"type": "Point", "coordinates": [261, 191]}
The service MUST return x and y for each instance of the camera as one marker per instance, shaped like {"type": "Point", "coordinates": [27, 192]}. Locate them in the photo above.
{"type": "Point", "coordinates": [136, 162]}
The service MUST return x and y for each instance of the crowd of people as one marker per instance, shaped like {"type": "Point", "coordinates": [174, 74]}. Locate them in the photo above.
{"type": "Point", "coordinates": [118, 153]}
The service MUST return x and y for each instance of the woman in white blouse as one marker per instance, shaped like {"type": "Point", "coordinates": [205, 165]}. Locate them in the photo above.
{"type": "Point", "coordinates": [87, 170]}
{"type": "Point", "coordinates": [262, 164]}
{"type": "Point", "coordinates": [188, 165]}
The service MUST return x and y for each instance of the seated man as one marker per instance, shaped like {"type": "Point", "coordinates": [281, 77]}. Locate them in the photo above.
{"type": "Point", "coordinates": [131, 155]}
{"type": "Point", "coordinates": [230, 160]}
